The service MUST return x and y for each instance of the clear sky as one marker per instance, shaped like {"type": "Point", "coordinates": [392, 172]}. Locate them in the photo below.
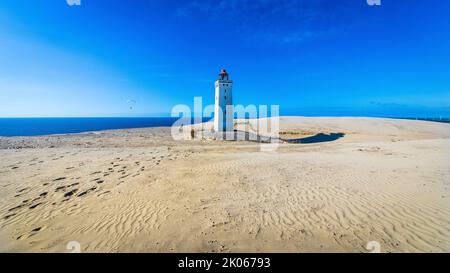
{"type": "Point", "coordinates": [140, 58]}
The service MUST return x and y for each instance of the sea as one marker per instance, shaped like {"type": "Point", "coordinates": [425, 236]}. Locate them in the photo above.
{"type": "Point", "coordinates": [13, 127]}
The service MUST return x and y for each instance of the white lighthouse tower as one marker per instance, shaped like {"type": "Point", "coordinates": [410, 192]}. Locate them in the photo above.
{"type": "Point", "coordinates": [223, 111]}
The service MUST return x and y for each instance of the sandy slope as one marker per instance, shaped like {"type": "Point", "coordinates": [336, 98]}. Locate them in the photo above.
{"type": "Point", "coordinates": [138, 191]}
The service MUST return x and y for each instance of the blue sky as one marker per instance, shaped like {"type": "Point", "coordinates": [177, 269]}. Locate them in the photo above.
{"type": "Point", "coordinates": [312, 57]}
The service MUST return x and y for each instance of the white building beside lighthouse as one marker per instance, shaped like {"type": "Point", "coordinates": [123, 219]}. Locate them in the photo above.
{"type": "Point", "coordinates": [223, 111]}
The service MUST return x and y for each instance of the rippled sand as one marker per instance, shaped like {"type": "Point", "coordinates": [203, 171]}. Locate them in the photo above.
{"type": "Point", "coordinates": [347, 181]}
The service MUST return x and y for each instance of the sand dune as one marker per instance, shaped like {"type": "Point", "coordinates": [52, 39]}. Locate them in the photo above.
{"type": "Point", "coordinates": [137, 190]}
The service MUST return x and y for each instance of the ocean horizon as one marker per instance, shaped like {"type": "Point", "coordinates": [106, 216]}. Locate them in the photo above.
{"type": "Point", "coordinates": [18, 127]}
{"type": "Point", "coordinates": [23, 127]}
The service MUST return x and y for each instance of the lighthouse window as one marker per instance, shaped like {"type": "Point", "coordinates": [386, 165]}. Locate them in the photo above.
{"type": "Point", "coordinates": [225, 97]}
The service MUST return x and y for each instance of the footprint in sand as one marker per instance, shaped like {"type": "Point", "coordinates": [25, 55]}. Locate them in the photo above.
{"type": "Point", "coordinates": [62, 188]}
{"type": "Point", "coordinates": [31, 233]}
{"type": "Point", "coordinates": [70, 193]}
{"type": "Point", "coordinates": [44, 194]}
{"type": "Point", "coordinates": [22, 190]}
{"type": "Point", "coordinates": [35, 206]}
{"type": "Point", "coordinates": [16, 208]}
{"type": "Point", "coordinates": [104, 193]}
{"type": "Point", "coordinates": [9, 216]}
{"type": "Point", "coordinates": [59, 179]}
{"type": "Point", "coordinates": [86, 192]}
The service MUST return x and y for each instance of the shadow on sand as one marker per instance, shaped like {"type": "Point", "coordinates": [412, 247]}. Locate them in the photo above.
{"type": "Point", "coordinates": [319, 138]}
